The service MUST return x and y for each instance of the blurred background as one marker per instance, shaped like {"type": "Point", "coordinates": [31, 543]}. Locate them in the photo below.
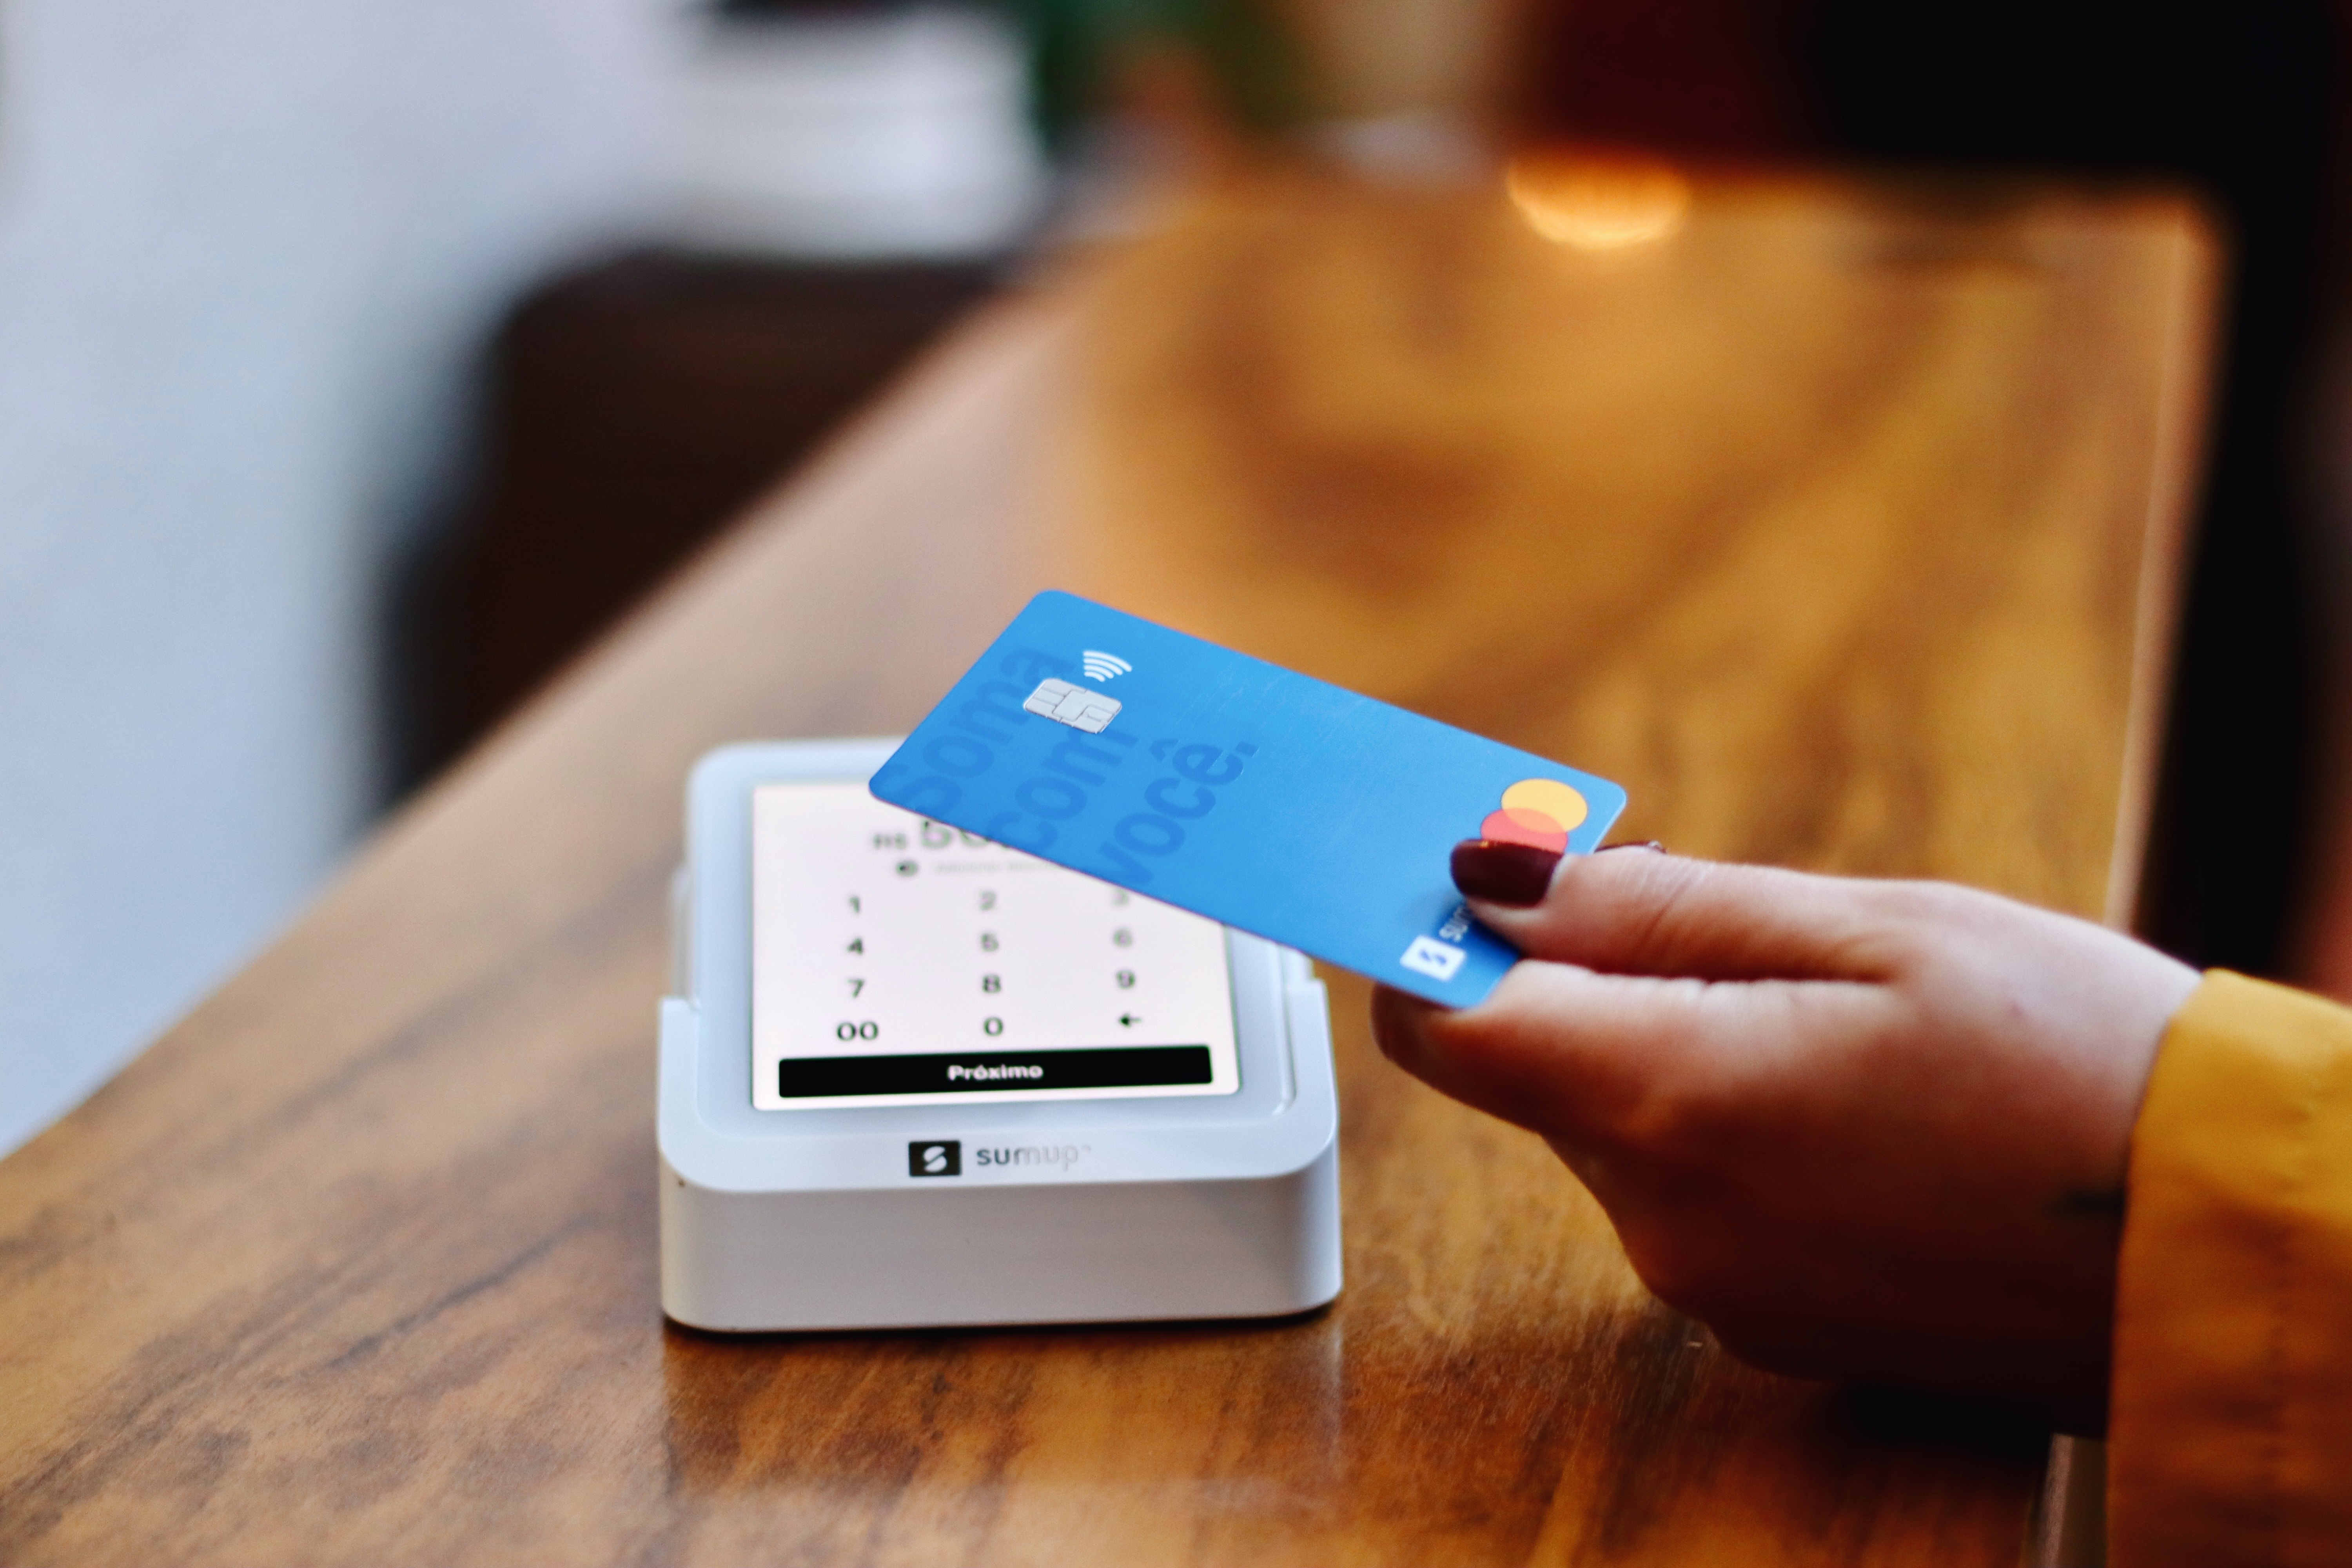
{"type": "Point", "coordinates": [359, 363]}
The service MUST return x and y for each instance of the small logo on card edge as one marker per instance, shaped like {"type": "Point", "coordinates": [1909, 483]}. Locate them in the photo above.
{"type": "Point", "coordinates": [1438, 960]}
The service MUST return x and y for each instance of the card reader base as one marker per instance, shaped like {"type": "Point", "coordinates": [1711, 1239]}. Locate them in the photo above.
{"type": "Point", "coordinates": [923, 1257]}
{"type": "Point", "coordinates": [756, 1238]}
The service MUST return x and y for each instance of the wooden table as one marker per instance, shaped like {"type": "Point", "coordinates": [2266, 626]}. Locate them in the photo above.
{"type": "Point", "coordinates": [1837, 520]}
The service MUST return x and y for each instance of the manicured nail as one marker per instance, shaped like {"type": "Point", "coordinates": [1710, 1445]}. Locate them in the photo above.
{"type": "Point", "coordinates": [1651, 845]}
{"type": "Point", "coordinates": [1504, 873]}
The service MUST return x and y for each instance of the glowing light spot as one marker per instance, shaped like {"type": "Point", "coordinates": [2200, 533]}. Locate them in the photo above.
{"type": "Point", "coordinates": [1598, 202]}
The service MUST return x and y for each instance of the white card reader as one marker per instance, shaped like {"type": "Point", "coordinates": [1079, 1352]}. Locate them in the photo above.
{"type": "Point", "coordinates": [911, 1077]}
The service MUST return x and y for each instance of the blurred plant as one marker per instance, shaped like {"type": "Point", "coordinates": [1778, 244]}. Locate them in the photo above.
{"type": "Point", "coordinates": [1080, 47]}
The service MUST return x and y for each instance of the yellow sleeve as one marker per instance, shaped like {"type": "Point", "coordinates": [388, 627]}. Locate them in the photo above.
{"type": "Point", "coordinates": [2230, 1434]}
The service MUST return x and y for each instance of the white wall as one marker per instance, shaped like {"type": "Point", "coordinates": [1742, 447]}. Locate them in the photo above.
{"type": "Point", "coordinates": [245, 248]}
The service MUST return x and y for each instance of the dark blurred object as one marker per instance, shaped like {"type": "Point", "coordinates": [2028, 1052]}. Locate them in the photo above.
{"type": "Point", "coordinates": [634, 408]}
{"type": "Point", "coordinates": [1730, 78]}
{"type": "Point", "coordinates": [2234, 97]}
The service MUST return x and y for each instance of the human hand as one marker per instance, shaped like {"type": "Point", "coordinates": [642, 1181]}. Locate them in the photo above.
{"type": "Point", "coordinates": [1874, 1131]}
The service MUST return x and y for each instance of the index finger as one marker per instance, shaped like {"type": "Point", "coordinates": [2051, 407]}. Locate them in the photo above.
{"type": "Point", "coordinates": [1569, 1052]}
{"type": "Point", "coordinates": [1666, 915]}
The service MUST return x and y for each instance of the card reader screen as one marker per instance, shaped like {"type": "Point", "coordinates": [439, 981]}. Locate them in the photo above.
{"type": "Point", "coordinates": [898, 962]}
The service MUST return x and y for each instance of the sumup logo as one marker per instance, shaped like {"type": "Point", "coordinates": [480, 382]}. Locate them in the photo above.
{"type": "Point", "coordinates": [935, 1157]}
{"type": "Point", "coordinates": [1060, 1155]}
{"type": "Point", "coordinates": [1437, 959]}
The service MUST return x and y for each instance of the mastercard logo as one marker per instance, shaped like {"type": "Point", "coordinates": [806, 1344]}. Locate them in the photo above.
{"type": "Point", "coordinates": [1541, 812]}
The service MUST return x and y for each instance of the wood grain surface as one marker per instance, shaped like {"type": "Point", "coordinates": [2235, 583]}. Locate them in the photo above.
{"type": "Point", "coordinates": [1837, 524]}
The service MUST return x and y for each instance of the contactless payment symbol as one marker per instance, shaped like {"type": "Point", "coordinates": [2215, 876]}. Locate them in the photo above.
{"type": "Point", "coordinates": [1101, 665]}
{"type": "Point", "coordinates": [1537, 812]}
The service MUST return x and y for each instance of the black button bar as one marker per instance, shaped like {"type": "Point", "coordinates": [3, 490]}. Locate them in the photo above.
{"type": "Point", "coordinates": [959, 1072]}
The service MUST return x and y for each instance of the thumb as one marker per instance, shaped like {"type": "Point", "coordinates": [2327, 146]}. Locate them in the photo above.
{"type": "Point", "coordinates": [1633, 913]}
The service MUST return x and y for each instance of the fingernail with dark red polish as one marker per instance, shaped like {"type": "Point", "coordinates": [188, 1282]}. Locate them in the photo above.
{"type": "Point", "coordinates": [1504, 873]}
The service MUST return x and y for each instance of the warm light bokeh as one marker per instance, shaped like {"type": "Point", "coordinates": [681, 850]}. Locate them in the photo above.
{"type": "Point", "coordinates": [1598, 202]}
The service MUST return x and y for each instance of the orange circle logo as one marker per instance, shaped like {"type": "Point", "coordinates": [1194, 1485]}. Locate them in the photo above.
{"type": "Point", "coordinates": [1541, 811]}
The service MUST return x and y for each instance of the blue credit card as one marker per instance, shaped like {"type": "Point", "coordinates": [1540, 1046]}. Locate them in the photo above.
{"type": "Point", "coordinates": [1268, 800]}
